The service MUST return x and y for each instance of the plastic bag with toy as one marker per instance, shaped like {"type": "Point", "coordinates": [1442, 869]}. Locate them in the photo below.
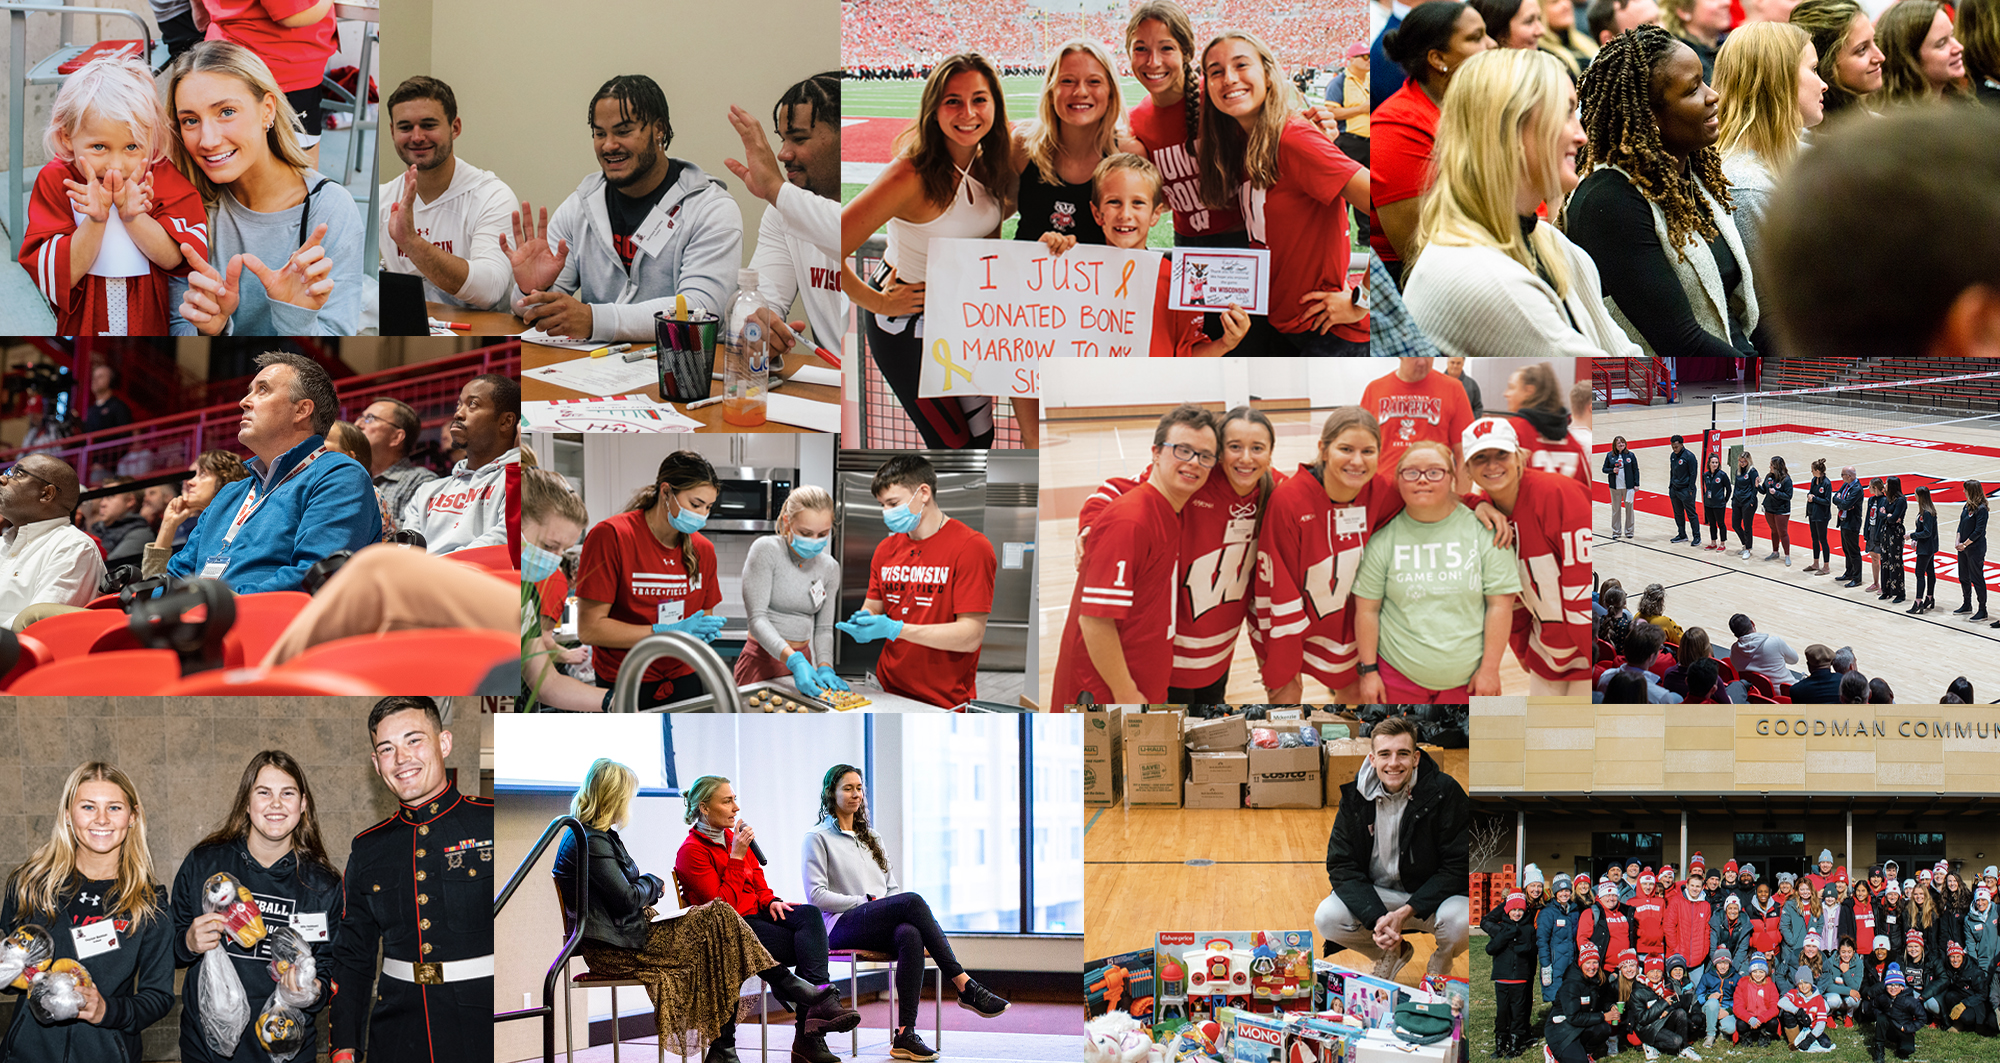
{"type": "Point", "coordinates": [57, 992]}
{"type": "Point", "coordinates": [23, 953]}
{"type": "Point", "coordinates": [293, 969]}
{"type": "Point", "coordinates": [225, 1006]}
{"type": "Point", "coordinates": [223, 895]}
{"type": "Point", "coordinates": [1264, 738]}
{"type": "Point", "coordinates": [281, 1028]}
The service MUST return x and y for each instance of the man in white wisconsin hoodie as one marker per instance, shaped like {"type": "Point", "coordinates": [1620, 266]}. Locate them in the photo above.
{"type": "Point", "coordinates": [469, 507]}
{"type": "Point", "coordinates": [802, 185]}
{"type": "Point", "coordinates": [643, 229]}
{"type": "Point", "coordinates": [443, 218]}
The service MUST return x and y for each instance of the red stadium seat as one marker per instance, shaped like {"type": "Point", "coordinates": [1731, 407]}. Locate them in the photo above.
{"type": "Point", "coordinates": [483, 556]}
{"type": "Point", "coordinates": [135, 672]}
{"type": "Point", "coordinates": [73, 634]}
{"type": "Point", "coordinates": [242, 682]}
{"type": "Point", "coordinates": [105, 601]}
{"type": "Point", "coordinates": [260, 619]}
{"type": "Point", "coordinates": [447, 660]}
{"type": "Point", "coordinates": [1757, 682]}
{"type": "Point", "coordinates": [1726, 670]}
{"type": "Point", "coordinates": [1756, 698]}
{"type": "Point", "coordinates": [33, 655]}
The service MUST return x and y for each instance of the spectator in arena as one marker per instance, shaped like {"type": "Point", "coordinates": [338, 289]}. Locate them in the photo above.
{"type": "Point", "coordinates": [285, 242]}
{"type": "Point", "coordinates": [153, 504]}
{"type": "Point", "coordinates": [120, 527]}
{"type": "Point", "coordinates": [952, 177]}
{"type": "Point", "coordinates": [469, 508]}
{"type": "Point", "coordinates": [791, 592]}
{"type": "Point", "coordinates": [642, 230]}
{"type": "Point", "coordinates": [1159, 46]}
{"type": "Point", "coordinates": [344, 438]}
{"type": "Point", "coordinates": [1979, 32]}
{"type": "Point", "coordinates": [1512, 23]}
{"type": "Point", "coordinates": [1962, 689]}
{"type": "Point", "coordinates": [392, 429]}
{"type": "Point", "coordinates": [1618, 619]}
{"type": "Point", "coordinates": [1694, 646]}
{"type": "Point", "coordinates": [1430, 44]}
{"type": "Point", "coordinates": [1652, 609]}
{"type": "Point", "coordinates": [1771, 93]}
{"type": "Point", "coordinates": [1486, 276]}
{"type": "Point", "coordinates": [1850, 63]}
{"type": "Point", "coordinates": [1819, 512]}
{"type": "Point", "coordinates": [1894, 508]}
{"type": "Point", "coordinates": [44, 559]}
{"type": "Point", "coordinates": [1854, 689]}
{"type": "Point", "coordinates": [1641, 647]}
{"type": "Point", "coordinates": [1654, 209]}
{"type": "Point", "coordinates": [1755, 651]}
{"type": "Point", "coordinates": [1351, 109]}
{"type": "Point", "coordinates": [295, 46]}
{"type": "Point", "coordinates": [1702, 25]}
{"type": "Point", "coordinates": [1563, 38]}
{"type": "Point", "coordinates": [1612, 18]}
{"type": "Point", "coordinates": [308, 503]}
{"type": "Point", "coordinates": [211, 470]}
{"type": "Point", "coordinates": [1777, 491]}
{"type": "Point", "coordinates": [1821, 686]}
{"type": "Point", "coordinates": [1704, 684]}
{"type": "Point", "coordinates": [1972, 550]}
{"type": "Point", "coordinates": [1926, 175]}
{"type": "Point", "coordinates": [106, 410]}
{"type": "Point", "coordinates": [1924, 537]}
{"type": "Point", "coordinates": [1921, 60]}
{"type": "Point", "coordinates": [1879, 692]}
{"type": "Point", "coordinates": [1623, 687]}
{"type": "Point", "coordinates": [443, 218]}
{"type": "Point", "coordinates": [1715, 490]}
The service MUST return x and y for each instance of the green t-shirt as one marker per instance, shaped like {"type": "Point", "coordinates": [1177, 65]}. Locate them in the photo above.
{"type": "Point", "coordinates": [1432, 580]}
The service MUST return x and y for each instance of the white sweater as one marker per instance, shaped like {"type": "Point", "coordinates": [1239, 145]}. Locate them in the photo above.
{"type": "Point", "coordinates": [463, 510]}
{"type": "Point", "coordinates": [1475, 301]}
{"type": "Point", "coordinates": [468, 221]}
{"type": "Point", "coordinates": [789, 260]}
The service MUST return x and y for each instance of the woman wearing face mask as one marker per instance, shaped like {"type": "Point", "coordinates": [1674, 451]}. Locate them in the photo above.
{"type": "Point", "coordinates": [1850, 63]}
{"type": "Point", "coordinates": [211, 469]}
{"type": "Point", "coordinates": [1219, 545]}
{"type": "Point", "coordinates": [95, 868]}
{"type": "Point", "coordinates": [270, 844]}
{"type": "Point", "coordinates": [848, 878]}
{"type": "Point", "coordinates": [791, 590]}
{"type": "Point", "coordinates": [658, 535]}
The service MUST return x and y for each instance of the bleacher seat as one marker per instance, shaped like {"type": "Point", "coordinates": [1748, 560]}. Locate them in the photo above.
{"type": "Point", "coordinates": [260, 619]}
{"type": "Point", "coordinates": [493, 557]}
{"type": "Point", "coordinates": [120, 672]}
{"type": "Point", "coordinates": [74, 634]}
{"type": "Point", "coordinates": [243, 682]}
{"type": "Point", "coordinates": [449, 660]}
{"type": "Point", "coordinates": [34, 654]}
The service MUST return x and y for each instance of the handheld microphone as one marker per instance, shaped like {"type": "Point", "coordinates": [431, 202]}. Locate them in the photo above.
{"type": "Point", "coordinates": [758, 852]}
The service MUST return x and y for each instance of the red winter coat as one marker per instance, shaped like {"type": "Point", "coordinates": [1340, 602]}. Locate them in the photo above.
{"type": "Point", "coordinates": [1649, 915]}
{"type": "Point", "coordinates": [707, 872]}
{"type": "Point", "coordinates": [1756, 1002]}
{"type": "Point", "coordinates": [1687, 928]}
{"type": "Point", "coordinates": [1764, 929]}
{"type": "Point", "coordinates": [1612, 933]}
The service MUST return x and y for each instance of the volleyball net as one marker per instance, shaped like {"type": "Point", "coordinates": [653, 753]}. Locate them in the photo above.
{"type": "Point", "coordinates": [1911, 406]}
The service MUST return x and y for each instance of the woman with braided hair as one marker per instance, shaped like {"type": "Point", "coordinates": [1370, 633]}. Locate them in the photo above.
{"type": "Point", "coordinates": [848, 880]}
{"type": "Point", "coordinates": [1654, 208]}
{"type": "Point", "coordinates": [1843, 36]}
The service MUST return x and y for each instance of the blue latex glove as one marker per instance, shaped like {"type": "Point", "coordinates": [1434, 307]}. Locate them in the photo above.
{"type": "Point", "coordinates": [865, 626]}
{"type": "Point", "coordinates": [802, 674]}
{"type": "Point", "coordinates": [700, 625]}
{"type": "Point", "coordinates": [829, 681]}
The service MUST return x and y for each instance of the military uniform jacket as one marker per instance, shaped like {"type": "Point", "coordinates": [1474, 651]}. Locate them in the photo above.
{"type": "Point", "coordinates": [421, 884]}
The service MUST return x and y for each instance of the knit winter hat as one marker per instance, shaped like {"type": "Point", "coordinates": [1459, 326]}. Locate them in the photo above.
{"type": "Point", "coordinates": [1561, 883]}
{"type": "Point", "coordinates": [1532, 874]}
{"type": "Point", "coordinates": [1732, 901]}
{"type": "Point", "coordinates": [1941, 869]}
{"type": "Point", "coordinates": [1517, 901]}
{"type": "Point", "coordinates": [1721, 953]}
{"type": "Point", "coordinates": [1646, 879]}
{"type": "Point", "coordinates": [1914, 937]}
{"type": "Point", "coordinates": [1581, 883]}
{"type": "Point", "coordinates": [1908, 885]}
{"type": "Point", "coordinates": [1992, 871]}
{"type": "Point", "coordinates": [1803, 974]}
{"type": "Point", "coordinates": [1786, 878]}
{"type": "Point", "coordinates": [1893, 888]}
{"type": "Point", "coordinates": [1840, 874]}
{"type": "Point", "coordinates": [1655, 965]}
{"type": "Point", "coordinates": [1586, 951]}
{"type": "Point", "coordinates": [1954, 950]}
{"type": "Point", "coordinates": [1628, 956]}
{"type": "Point", "coordinates": [1895, 976]}
{"type": "Point", "coordinates": [1812, 938]}
{"type": "Point", "coordinates": [1882, 942]}
{"type": "Point", "coordinates": [1982, 894]}
{"type": "Point", "coordinates": [1728, 867]}
{"type": "Point", "coordinates": [1607, 889]}
{"type": "Point", "coordinates": [1826, 856]}
{"type": "Point", "coordinates": [1924, 875]}
{"type": "Point", "coordinates": [1695, 865]}
{"type": "Point", "coordinates": [1666, 872]}
{"type": "Point", "coordinates": [1759, 963]}
{"type": "Point", "coordinates": [1750, 870]}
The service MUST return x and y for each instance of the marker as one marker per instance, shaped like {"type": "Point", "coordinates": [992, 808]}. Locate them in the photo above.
{"type": "Point", "coordinates": [616, 348]}
{"type": "Point", "coordinates": [647, 352]}
{"type": "Point", "coordinates": [832, 359]}
{"type": "Point", "coordinates": [460, 325]}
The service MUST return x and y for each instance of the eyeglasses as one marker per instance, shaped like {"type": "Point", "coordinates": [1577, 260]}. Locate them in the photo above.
{"type": "Point", "coordinates": [1428, 476]}
{"type": "Point", "coordinates": [15, 472]}
{"type": "Point", "coordinates": [1183, 452]}
{"type": "Point", "coordinates": [369, 418]}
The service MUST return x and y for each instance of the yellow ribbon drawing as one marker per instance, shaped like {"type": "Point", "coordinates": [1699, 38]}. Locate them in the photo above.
{"type": "Point", "coordinates": [1126, 279]}
{"type": "Point", "coordinates": [941, 354]}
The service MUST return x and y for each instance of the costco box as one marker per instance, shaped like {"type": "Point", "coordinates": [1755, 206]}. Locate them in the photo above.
{"type": "Point", "coordinates": [1103, 758]}
{"type": "Point", "coordinates": [1226, 734]}
{"type": "Point", "coordinates": [1219, 767]}
{"type": "Point", "coordinates": [1285, 778]}
{"type": "Point", "coordinates": [1212, 795]}
{"type": "Point", "coordinates": [1152, 759]}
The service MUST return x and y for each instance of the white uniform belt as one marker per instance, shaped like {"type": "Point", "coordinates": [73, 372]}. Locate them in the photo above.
{"type": "Point", "coordinates": [438, 973]}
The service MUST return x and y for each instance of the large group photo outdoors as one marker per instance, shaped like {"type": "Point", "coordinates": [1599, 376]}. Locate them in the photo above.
{"type": "Point", "coordinates": [1012, 172]}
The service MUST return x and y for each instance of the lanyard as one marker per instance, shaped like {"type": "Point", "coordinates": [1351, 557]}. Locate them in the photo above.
{"type": "Point", "coordinates": [252, 503]}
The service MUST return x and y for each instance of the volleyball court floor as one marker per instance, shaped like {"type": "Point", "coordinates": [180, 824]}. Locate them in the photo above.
{"type": "Point", "coordinates": [1918, 655]}
{"type": "Point", "coordinates": [1079, 455]}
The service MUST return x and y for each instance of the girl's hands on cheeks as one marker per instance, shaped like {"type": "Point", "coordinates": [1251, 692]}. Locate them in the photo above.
{"type": "Point", "coordinates": [90, 196]}
{"type": "Point", "coordinates": [134, 198]}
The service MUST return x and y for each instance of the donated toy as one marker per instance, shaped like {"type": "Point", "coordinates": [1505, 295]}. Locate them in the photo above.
{"type": "Point", "coordinates": [23, 953]}
{"type": "Point", "coordinates": [1218, 972]}
{"type": "Point", "coordinates": [1116, 1037]}
{"type": "Point", "coordinates": [225, 1007]}
{"type": "Point", "coordinates": [57, 993]}
{"type": "Point", "coordinates": [224, 895]}
{"type": "Point", "coordinates": [1279, 974]}
{"type": "Point", "coordinates": [281, 1029]}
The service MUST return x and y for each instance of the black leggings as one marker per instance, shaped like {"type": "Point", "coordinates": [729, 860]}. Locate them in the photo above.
{"type": "Point", "coordinates": [797, 941]}
{"type": "Point", "coordinates": [1822, 550]}
{"type": "Point", "coordinates": [1926, 574]}
{"type": "Point", "coordinates": [1716, 517]}
{"type": "Point", "coordinates": [942, 422]}
{"type": "Point", "coordinates": [1212, 694]}
{"type": "Point", "coordinates": [1743, 517]}
{"type": "Point", "coordinates": [900, 923]}
{"type": "Point", "coordinates": [1972, 575]}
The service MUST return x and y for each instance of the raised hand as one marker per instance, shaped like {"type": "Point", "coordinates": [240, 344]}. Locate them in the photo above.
{"type": "Point", "coordinates": [762, 175]}
{"type": "Point", "coordinates": [91, 198]}
{"type": "Point", "coordinates": [306, 279]}
{"type": "Point", "coordinates": [211, 296]}
{"type": "Point", "coordinates": [403, 213]}
{"type": "Point", "coordinates": [535, 265]}
{"type": "Point", "coordinates": [132, 197]}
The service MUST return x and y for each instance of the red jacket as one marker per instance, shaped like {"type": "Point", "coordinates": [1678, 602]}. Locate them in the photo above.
{"type": "Point", "coordinates": [1616, 925]}
{"type": "Point", "coordinates": [1756, 1003]}
{"type": "Point", "coordinates": [1765, 928]}
{"type": "Point", "coordinates": [1649, 915]}
{"type": "Point", "coordinates": [707, 872]}
{"type": "Point", "coordinates": [1686, 928]}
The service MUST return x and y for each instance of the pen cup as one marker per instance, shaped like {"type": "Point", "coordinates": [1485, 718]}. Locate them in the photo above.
{"type": "Point", "coordinates": [687, 355]}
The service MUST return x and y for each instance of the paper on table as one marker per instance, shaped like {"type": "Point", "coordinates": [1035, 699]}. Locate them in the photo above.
{"type": "Point", "coordinates": [535, 335]}
{"type": "Point", "coordinates": [610, 375]}
{"type": "Point", "coordinates": [816, 374]}
{"type": "Point", "coordinates": [804, 413]}
{"type": "Point", "coordinates": [627, 414]}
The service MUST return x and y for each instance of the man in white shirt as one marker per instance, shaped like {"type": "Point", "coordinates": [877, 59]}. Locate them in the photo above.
{"type": "Point", "coordinates": [469, 507]}
{"type": "Point", "coordinates": [443, 218]}
{"type": "Point", "coordinates": [44, 559]}
{"type": "Point", "coordinates": [797, 241]}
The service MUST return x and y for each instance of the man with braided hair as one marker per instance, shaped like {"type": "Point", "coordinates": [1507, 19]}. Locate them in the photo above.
{"type": "Point", "coordinates": [799, 239]}
{"type": "Point", "coordinates": [1654, 209]}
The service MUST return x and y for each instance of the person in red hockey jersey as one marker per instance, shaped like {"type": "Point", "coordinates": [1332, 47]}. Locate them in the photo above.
{"type": "Point", "coordinates": [1218, 552]}
{"type": "Point", "coordinates": [1551, 517]}
{"type": "Point", "coordinates": [109, 212]}
{"type": "Point", "coordinates": [1118, 642]}
{"type": "Point", "coordinates": [1536, 399]}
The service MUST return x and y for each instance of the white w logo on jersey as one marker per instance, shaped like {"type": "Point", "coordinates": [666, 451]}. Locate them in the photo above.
{"type": "Point", "coordinates": [1219, 576]}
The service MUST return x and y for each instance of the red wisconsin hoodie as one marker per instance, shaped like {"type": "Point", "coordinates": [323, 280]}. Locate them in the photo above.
{"type": "Point", "coordinates": [1649, 915]}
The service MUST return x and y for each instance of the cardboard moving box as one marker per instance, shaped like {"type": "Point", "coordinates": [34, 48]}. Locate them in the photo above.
{"type": "Point", "coordinates": [1103, 758]}
{"type": "Point", "coordinates": [1219, 767]}
{"type": "Point", "coordinates": [1213, 795]}
{"type": "Point", "coordinates": [1227, 734]}
{"type": "Point", "coordinates": [1285, 778]}
{"type": "Point", "coordinates": [1152, 759]}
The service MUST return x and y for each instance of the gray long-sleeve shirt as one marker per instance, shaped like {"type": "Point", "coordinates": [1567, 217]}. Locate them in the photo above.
{"type": "Point", "coordinates": [840, 873]}
{"type": "Point", "coordinates": [235, 229]}
{"type": "Point", "coordinates": [778, 595]}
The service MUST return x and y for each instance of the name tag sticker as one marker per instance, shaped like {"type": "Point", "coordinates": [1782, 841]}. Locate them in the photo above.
{"type": "Point", "coordinates": [1350, 520]}
{"type": "Point", "coordinates": [214, 568]}
{"type": "Point", "coordinates": [94, 939]}
{"type": "Point", "coordinates": [818, 592]}
{"type": "Point", "coordinates": [1238, 531]}
{"type": "Point", "coordinates": [310, 925]}
{"type": "Point", "coordinates": [671, 612]}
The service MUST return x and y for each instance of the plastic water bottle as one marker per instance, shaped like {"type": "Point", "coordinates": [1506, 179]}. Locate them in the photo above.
{"type": "Point", "coordinates": [746, 369]}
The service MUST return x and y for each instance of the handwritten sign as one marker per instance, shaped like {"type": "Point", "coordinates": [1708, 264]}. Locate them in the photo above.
{"type": "Point", "coordinates": [1212, 278]}
{"type": "Point", "coordinates": [993, 309]}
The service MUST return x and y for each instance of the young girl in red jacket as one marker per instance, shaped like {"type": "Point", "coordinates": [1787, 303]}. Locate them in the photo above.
{"type": "Point", "coordinates": [1757, 1004]}
{"type": "Point", "coordinates": [715, 861]}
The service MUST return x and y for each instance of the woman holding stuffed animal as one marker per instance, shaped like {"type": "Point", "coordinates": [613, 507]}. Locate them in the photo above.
{"type": "Point", "coordinates": [91, 888]}
{"type": "Point", "coordinates": [270, 845]}
{"type": "Point", "coordinates": [847, 877]}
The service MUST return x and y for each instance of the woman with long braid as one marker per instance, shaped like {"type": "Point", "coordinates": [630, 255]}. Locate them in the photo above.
{"type": "Point", "coordinates": [849, 880]}
{"type": "Point", "coordinates": [1654, 209]}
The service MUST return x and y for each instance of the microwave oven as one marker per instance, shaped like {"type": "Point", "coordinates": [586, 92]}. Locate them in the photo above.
{"type": "Point", "coordinates": [750, 498]}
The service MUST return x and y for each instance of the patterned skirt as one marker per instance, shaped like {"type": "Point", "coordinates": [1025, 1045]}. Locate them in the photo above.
{"type": "Point", "coordinates": [1892, 558]}
{"type": "Point", "coordinates": [694, 967]}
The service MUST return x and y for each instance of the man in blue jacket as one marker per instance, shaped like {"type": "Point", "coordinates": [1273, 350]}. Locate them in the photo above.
{"type": "Point", "coordinates": [300, 503]}
{"type": "Point", "coordinates": [1847, 500]}
{"type": "Point", "coordinates": [1683, 476]}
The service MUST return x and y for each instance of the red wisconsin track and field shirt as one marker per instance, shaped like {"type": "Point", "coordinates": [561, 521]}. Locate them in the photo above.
{"type": "Point", "coordinates": [932, 581]}
{"type": "Point", "coordinates": [646, 582]}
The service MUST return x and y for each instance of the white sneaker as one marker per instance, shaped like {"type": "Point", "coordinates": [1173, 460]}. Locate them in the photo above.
{"type": "Point", "coordinates": [1788, 561]}
{"type": "Point", "coordinates": [1690, 1053]}
{"type": "Point", "coordinates": [1746, 553]}
{"type": "Point", "coordinates": [1651, 1052]}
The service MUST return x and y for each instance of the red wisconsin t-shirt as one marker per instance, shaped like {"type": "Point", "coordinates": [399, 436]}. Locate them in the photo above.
{"type": "Point", "coordinates": [1401, 135]}
{"type": "Point", "coordinates": [1432, 408]}
{"type": "Point", "coordinates": [1127, 576]}
{"type": "Point", "coordinates": [625, 564]}
{"type": "Point", "coordinates": [932, 581]}
{"type": "Point", "coordinates": [297, 57]}
{"type": "Point", "coordinates": [1303, 220]}
{"type": "Point", "coordinates": [1165, 135]}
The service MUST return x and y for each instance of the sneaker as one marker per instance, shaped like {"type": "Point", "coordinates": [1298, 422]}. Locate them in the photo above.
{"type": "Point", "coordinates": [1788, 560]}
{"type": "Point", "coordinates": [1390, 963]}
{"type": "Point", "coordinates": [1746, 553]}
{"type": "Point", "coordinates": [1850, 1018]}
{"type": "Point", "coordinates": [1773, 557]}
{"type": "Point", "coordinates": [980, 1001]}
{"type": "Point", "coordinates": [1651, 1053]}
{"type": "Point", "coordinates": [1708, 1042]}
{"type": "Point", "coordinates": [1679, 538]}
{"type": "Point", "coordinates": [1690, 1053]}
{"type": "Point", "coordinates": [908, 1045]}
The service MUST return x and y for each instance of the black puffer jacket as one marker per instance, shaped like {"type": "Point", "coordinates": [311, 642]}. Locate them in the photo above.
{"type": "Point", "coordinates": [619, 892]}
{"type": "Point", "coordinates": [1511, 943]}
{"type": "Point", "coordinates": [1434, 830]}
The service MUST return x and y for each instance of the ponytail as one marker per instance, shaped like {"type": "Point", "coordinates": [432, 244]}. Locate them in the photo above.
{"type": "Point", "coordinates": [683, 470]}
